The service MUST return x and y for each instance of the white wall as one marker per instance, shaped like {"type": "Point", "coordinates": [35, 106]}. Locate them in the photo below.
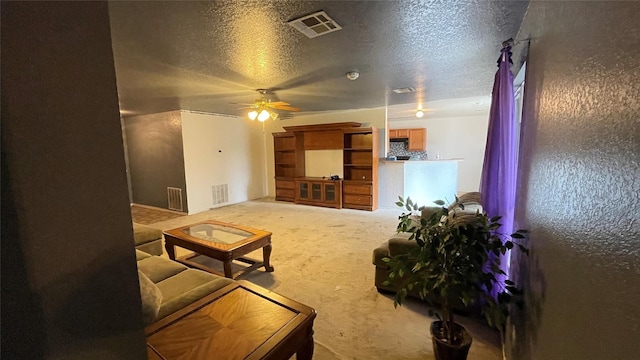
{"type": "Point", "coordinates": [222, 150]}
{"type": "Point", "coordinates": [455, 137]}
{"type": "Point", "coordinates": [368, 117]}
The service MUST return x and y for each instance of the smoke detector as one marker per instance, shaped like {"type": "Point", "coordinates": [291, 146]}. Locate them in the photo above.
{"type": "Point", "coordinates": [352, 75]}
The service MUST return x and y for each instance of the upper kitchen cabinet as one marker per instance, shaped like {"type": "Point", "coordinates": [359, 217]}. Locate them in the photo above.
{"type": "Point", "coordinates": [416, 138]}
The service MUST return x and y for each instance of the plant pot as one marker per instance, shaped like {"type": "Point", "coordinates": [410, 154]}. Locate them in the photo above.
{"type": "Point", "coordinates": [446, 351]}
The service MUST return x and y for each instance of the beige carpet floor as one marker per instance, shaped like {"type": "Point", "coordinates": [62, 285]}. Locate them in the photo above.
{"type": "Point", "coordinates": [322, 258]}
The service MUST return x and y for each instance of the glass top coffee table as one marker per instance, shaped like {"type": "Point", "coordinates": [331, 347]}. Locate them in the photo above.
{"type": "Point", "coordinates": [221, 241]}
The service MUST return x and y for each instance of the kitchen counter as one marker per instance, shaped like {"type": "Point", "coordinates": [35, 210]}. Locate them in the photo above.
{"type": "Point", "coordinates": [425, 181]}
{"type": "Point", "coordinates": [434, 160]}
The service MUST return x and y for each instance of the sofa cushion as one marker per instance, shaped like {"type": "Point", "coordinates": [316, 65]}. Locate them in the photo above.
{"type": "Point", "coordinates": [187, 287]}
{"type": "Point", "coordinates": [141, 255]}
{"type": "Point", "coordinates": [143, 234]}
{"type": "Point", "coordinates": [152, 247]}
{"type": "Point", "coordinates": [158, 268]}
{"type": "Point", "coordinates": [151, 298]}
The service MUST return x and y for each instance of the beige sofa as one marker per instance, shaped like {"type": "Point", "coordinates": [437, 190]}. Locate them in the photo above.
{"type": "Point", "coordinates": [167, 286]}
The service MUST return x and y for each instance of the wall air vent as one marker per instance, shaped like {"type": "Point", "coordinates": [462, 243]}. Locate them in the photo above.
{"type": "Point", "coordinates": [174, 196]}
{"type": "Point", "coordinates": [220, 193]}
{"type": "Point", "coordinates": [404, 90]}
{"type": "Point", "coordinates": [315, 24]}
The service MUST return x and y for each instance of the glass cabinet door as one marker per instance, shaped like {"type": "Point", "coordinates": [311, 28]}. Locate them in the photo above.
{"type": "Point", "coordinates": [316, 191]}
{"type": "Point", "coordinates": [304, 190]}
{"type": "Point", "coordinates": [330, 192]}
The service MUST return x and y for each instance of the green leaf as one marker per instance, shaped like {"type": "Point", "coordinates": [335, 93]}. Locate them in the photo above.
{"type": "Point", "coordinates": [400, 204]}
{"type": "Point", "coordinates": [517, 236]}
{"type": "Point", "coordinates": [439, 202]}
{"type": "Point", "coordinates": [386, 259]}
{"type": "Point", "coordinates": [523, 249]}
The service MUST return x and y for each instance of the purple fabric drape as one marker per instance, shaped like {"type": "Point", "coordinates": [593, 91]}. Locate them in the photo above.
{"type": "Point", "coordinates": [498, 181]}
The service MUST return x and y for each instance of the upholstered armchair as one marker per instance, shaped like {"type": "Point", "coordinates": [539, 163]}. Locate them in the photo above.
{"type": "Point", "coordinates": [399, 243]}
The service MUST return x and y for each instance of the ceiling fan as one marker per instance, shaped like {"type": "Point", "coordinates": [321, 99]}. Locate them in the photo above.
{"type": "Point", "coordinates": [261, 108]}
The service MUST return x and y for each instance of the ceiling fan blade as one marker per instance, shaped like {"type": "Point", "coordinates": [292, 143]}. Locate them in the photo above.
{"type": "Point", "coordinates": [279, 103]}
{"type": "Point", "coordinates": [286, 108]}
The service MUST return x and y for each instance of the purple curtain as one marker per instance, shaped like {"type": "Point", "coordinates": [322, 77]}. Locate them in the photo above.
{"type": "Point", "coordinates": [498, 181]}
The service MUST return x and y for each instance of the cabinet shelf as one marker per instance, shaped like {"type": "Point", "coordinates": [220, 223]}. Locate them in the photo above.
{"type": "Point", "coordinates": [359, 146]}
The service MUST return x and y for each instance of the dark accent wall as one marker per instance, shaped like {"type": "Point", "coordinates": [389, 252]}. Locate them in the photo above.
{"type": "Point", "coordinates": [69, 282]}
{"type": "Point", "coordinates": [580, 182]}
{"type": "Point", "coordinates": [156, 157]}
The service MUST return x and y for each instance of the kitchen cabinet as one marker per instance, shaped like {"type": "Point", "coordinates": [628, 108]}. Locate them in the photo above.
{"type": "Point", "coordinates": [398, 133]}
{"type": "Point", "coordinates": [319, 192]}
{"type": "Point", "coordinates": [416, 138]}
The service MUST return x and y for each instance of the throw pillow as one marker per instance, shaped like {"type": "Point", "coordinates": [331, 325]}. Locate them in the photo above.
{"type": "Point", "coordinates": [151, 298]}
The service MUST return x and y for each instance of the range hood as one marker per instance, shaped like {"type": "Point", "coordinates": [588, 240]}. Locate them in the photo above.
{"type": "Point", "coordinates": [404, 140]}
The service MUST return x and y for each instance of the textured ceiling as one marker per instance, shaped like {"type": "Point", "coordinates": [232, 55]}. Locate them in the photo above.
{"type": "Point", "coordinates": [205, 56]}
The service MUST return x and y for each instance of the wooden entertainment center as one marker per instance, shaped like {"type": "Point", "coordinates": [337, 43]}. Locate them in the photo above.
{"type": "Point", "coordinates": [358, 189]}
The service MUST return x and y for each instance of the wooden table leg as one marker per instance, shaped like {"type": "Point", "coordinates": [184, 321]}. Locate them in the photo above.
{"type": "Point", "coordinates": [266, 255]}
{"type": "Point", "coordinates": [171, 250]}
{"type": "Point", "coordinates": [306, 351]}
{"type": "Point", "coordinates": [227, 268]}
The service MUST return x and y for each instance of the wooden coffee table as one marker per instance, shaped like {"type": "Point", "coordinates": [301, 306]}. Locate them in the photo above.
{"type": "Point", "coordinates": [239, 321]}
{"type": "Point", "coordinates": [221, 241]}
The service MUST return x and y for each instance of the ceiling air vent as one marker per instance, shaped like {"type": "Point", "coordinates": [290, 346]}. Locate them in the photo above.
{"type": "Point", "coordinates": [404, 90]}
{"type": "Point", "coordinates": [315, 24]}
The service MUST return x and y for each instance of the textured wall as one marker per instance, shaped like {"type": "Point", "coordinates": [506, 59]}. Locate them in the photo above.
{"type": "Point", "coordinates": [222, 150]}
{"type": "Point", "coordinates": [579, 186]}
{"type": "Point", "coordinates": [69, 283]}
{"type": "Point", "coordinates": [156, 159]}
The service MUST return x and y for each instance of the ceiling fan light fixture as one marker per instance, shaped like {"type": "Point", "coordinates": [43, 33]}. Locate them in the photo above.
{"type": "Point", "coordinates": [419, 113]}
{"type": "Point", "coordinates": [253, 115]}
{"type": "Point", "coordinates": [263, 115]}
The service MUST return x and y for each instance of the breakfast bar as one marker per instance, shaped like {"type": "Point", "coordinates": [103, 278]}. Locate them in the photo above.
{"type": "Point", "coordinates": [425, 181]}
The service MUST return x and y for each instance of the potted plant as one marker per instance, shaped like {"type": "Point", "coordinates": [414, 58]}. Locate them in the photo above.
{"type": "Point", "coordinates": [454, 262]}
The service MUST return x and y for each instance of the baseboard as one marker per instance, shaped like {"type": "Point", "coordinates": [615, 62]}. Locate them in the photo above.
{"type": "Point", "coordinates": [160, 209]}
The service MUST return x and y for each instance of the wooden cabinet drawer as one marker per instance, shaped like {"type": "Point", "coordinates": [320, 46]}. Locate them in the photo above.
{"type": "Point", "coordinates": [356, 199]}
{"type": "Point", "coordinates": [285, 184]}
{"type": "Point", "coordinates": [360, 189]}
{"type": "Point", "coordinates": [286, 193]}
